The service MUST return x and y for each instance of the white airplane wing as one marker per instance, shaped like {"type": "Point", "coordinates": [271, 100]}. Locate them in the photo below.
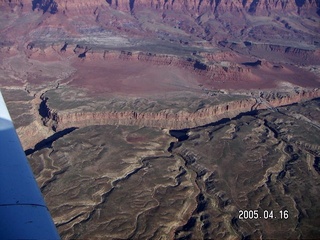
{"type": "Point", "coordinates": [23, 212]}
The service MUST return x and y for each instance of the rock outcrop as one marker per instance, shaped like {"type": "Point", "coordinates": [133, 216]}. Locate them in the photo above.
{"type": "Point", "coordinates": [179, 120]}
{"type": "Point", "coordinates": [194, 7]}
{"type": "Point", "coordinates": [162, 119]}
{"type": "Point", "coordinates": [290, 54]}
{"type": "Point", "coordinates": [278, 99]}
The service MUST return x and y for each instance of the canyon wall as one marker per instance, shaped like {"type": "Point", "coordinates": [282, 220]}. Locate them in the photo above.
{"type": "Point", "coordinates": [276, 99]}
{"type": "Point", "coordinates": [162, 119]}
{"type": "Point", "coordinates": [220, 6]}
{"type": "Point", "coordinates": [289, 54]}
{"type": "Point", "coordinates": [258, 7]}
{"type": "Point", "coordinates": [167, 119]}
{"type": "Point", "coordinates": [211, 70]}
{"type": "Point", "coordinates": [219, 66]}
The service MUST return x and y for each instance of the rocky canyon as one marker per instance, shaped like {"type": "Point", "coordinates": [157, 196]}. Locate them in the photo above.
{"type": "Point", "coordinates": [146, 119]}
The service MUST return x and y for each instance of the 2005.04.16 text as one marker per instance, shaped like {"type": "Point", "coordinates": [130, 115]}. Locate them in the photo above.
{"type": "Point", "coordinates": [265, 214]}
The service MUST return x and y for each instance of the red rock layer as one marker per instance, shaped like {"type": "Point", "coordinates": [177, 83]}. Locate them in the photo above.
{"type": "Point", "coordinates": [182, 119]}
{"type": "Point", "coordinates": [193, 6]}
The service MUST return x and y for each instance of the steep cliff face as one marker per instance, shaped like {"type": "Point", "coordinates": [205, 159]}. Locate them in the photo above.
{"type": "Point", "coordinates": [198, 6]}
{"type": "Point", "coordinates": [233, 71]}
{"type": "Point", "coordinates": [278, 99]}
{"type": "Point", "coordinates": [185, 23]}
{"type": "Point", "coordinates": [219, 6]}
{"type": "Point", "coordinates": [208, 68]}
{"type": "Point", "coordinates": [179, 120]}
{"type": "Point", "coordinates": [275, 52]}
{"type": "Point", "coordinates": [162, 119]}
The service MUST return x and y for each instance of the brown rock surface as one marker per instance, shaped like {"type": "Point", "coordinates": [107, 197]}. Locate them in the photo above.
{"type": "Point", "coordinates": [174, 118]}
{"type": "Point", "coordinates": [129, 186]}
{"type": "Point", "coordinates": [99, 89]}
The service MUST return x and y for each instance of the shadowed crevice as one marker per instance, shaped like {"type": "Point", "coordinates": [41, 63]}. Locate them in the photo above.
{"type": "Point", "coordinates": [253, 64]}
{"type": "Point", "coordinates": [253, 6]}
{"type": "Point", "coordinates": [47, 143]}
{"type": "Point", "coordinates": [43, 108]}
{"type": "Point", "coordinates": [199, 65]}
{"type": "Point", "coordinates": [316, 164]}
{"type": "Point", "coordinates": [181, 135]}
{"type": "Point", "coordinates": [131, 5]}
{"type": "Point", "coordinates": [300, 3]}
{"type": "Point", "coordinates": [45, 5]}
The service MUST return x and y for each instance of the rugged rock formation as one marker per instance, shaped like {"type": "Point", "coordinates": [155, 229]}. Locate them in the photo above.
{"type": "Point", "coordinates": [276, 52]}
{"type": "Point", "coordinates": [163, 119]}
{"type": "Point", "coordinates": [234, 6]}
{"type": "Point", "coordinates": [180, 120]}
{"type": "Point", "coordinates": [278, 99]}
{"type": "Point", "coordinates": [221, 65]}
{"type": "Point", "coordinates": [221, 6]}
{"type": "Point", "coordinates": [185, 23]}
{"type": "Point", "coordinates": [168, 65]}
{"type": "Point", "coordinates": [121, 181]}
{"type": "Point", "coordinates": [203, 37]}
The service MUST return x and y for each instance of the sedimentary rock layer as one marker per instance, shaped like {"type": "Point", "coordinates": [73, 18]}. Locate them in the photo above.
{"type": "Point", "coordinates": [179, 120]}
{"type": "Point", "coordinates": [221, 6]}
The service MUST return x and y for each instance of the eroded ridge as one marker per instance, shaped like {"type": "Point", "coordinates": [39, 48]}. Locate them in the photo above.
{"type": "Point", "coordinates": [170, 113]}
{"type": "Point", "coordinates": [163, 119]}
{"type": "Point", "coordinates": [254, 163]}
{"type": "Point", "coordinates": [102, 171]}
{"type": "Point", "coordinates": [131, 186]}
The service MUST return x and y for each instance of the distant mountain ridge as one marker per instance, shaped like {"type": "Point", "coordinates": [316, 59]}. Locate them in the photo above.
{"type": "Point", "coordinates": [264, 7]}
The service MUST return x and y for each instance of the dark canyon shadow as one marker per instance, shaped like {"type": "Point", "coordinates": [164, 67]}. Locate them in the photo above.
{"type": "Point", "coordinates": [47, 143]}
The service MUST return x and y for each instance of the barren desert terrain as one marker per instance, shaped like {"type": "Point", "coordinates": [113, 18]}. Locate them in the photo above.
{"type": "Point", "coordinates": [148, 119]}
